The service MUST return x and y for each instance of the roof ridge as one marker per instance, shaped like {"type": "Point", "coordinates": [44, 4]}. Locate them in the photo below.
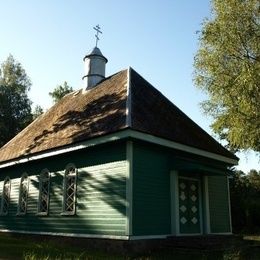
{"type": "Point", "coordinates": [128, 99]}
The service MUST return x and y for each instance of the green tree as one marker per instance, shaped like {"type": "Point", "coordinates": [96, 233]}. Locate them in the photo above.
{"type": "Point", "coordinates": [38, 110]}
{"type": "Point", "coordinates": [245, 201]}
{"type": "Point", "coordinates": [15, 106]}
{"type": "Point", "coordinates": [60, 91]}
{"type": "Point", "coordinates": [227, 68]}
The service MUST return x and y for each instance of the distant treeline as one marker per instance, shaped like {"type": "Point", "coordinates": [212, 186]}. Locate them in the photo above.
{"type": "Point", "coordinates": [245, 201]}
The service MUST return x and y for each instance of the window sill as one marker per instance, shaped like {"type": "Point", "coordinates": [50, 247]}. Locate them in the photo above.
{"type": "Point", "coordinates": [42, 214]}
{"type": "Point", "coordinates": [68, 213]}
{"type": "Point", "coordinates": [20, 214]}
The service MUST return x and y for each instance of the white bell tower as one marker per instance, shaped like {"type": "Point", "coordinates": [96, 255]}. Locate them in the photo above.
{"type": "Point", "coordinates": [95, 65]}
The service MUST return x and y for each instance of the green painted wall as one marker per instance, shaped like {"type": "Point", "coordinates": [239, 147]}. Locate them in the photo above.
{"type": "Point", "coordinates": [101, 200]}
{"type": "Point", "coordinates": [101, 192]}
{"type": "Point", "coordinates": [218, 204]}
{"type": "Point", "coordinates": [152, 196]}
{"type": "Point", "coordinates": [151, 191]}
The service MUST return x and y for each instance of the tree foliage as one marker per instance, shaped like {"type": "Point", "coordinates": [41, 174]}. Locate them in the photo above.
{"type": "Point", "coordinates": [60, 91]}
{"type": "Point", "coordinates": [245, 201]}
{"type": "Point", "coordinates": [15, 106]}
{"type": "Point", "coordinates": [38, 110]}
{"type": "Point", "coordinates": [227, 68]}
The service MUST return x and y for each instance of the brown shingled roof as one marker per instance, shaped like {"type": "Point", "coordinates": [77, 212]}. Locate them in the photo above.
{"type": "Point", "coordinates": [102, 110]}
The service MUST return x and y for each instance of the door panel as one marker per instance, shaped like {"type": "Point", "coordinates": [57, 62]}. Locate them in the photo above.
{"type": "Point", "coordinates": [189, 206]}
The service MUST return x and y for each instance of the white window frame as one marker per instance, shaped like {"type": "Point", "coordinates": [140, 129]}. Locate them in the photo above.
{"type": "Point", "coordinates": [44, 177]}
{"type": "Point", "coordinates": [68, 174]}
{"type": "Point", "coordinates": [5, 199]}
{"type": "Point", "coordinates": [24, 178]}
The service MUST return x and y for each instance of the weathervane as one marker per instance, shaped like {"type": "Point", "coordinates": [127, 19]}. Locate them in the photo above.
{"type": "Point", "coordinates": [97, 29]}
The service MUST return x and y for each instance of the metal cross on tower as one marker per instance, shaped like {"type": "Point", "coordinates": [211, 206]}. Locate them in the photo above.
{"type": "Point", "coordinates": [97, 29]}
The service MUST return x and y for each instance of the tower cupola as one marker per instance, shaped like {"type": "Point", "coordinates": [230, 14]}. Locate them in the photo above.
{"type": "Point", "coordinates": [95, 65]}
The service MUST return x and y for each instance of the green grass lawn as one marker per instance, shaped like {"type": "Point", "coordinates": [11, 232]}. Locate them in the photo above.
{"type": "Point", "coordinates": [12, 247]}
{"type": "Point", "coordinates": [24, 247]}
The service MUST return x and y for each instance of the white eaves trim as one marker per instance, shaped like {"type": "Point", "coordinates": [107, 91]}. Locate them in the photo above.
{"type": "Point", "coordinates": [67, 149]}
{"type": "Point", "coordinates": [182, 147]}
{"type": "Point", "coordinates": [117, 136]}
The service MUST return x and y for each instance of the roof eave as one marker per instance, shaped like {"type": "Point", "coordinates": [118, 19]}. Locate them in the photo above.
{"type": "Point", "coordinates": [125, 133]}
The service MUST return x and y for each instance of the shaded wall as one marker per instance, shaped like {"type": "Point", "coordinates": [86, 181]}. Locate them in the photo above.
{"type": "Point", "coordinates": [219, 204]}
{"type": "Point", "coordinates": [152, 190]}
{"type": "Point", "coordinates": [100, 193]}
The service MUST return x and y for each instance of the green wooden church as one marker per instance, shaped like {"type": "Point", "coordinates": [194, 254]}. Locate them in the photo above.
{"type": "Point", "coordinates": [114, 160]}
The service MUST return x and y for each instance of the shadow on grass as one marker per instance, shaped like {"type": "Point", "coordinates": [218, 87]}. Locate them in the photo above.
{"type": "Point", "coordinates": [14, 246]}
{"type": "Point", "coordinates": [25, 247]}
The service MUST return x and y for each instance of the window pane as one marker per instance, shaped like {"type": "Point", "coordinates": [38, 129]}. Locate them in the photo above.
{"type": "Point", "coordinates": [23, 195]}
{"type": "Point", "coordinates": [44, 193]}
{"type": "Point", "coordinates": [70, 190]}
{"type": "Point", "coordinates": [70, 195]}
{"type": "Point", "coordinates": [6, 196]}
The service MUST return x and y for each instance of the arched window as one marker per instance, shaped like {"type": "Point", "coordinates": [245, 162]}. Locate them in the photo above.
{"type": "Point", "coordinates": [23, 195]}
{"type": "Point", "coordinates": [69, 192]}
{"type": "Point", "coordinates": [6, 196]}
{"type": "Point", "coordinates": [44, 193]}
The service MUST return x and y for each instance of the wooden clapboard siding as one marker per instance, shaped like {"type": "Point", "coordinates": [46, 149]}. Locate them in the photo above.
{"type": "Point", "coordinates": [151, 191]}
{"type": "Point", "coordinates": [102, 190]}
{"type": "Point", "coordinates": [218, 204]}
{"type": "Point", "coordinates": [101, 193]}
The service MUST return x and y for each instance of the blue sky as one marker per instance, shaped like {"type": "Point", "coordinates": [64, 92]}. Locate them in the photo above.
{"type": "Point", "coordinates": [157, 38]}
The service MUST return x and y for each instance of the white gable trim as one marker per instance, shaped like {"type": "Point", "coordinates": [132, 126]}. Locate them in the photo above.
{"type": "Point", "coordinates": [117, 136]}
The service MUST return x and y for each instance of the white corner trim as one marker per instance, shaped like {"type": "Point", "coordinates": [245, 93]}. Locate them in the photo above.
{"type": "Point", "coordinates": [66, 234]}
{"type": "Point", "coordinates": [117, 136]}
{"type": "Point", "coordinates": [129, 99]}
{"type": "Point", "coordinates": [129, 187]}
